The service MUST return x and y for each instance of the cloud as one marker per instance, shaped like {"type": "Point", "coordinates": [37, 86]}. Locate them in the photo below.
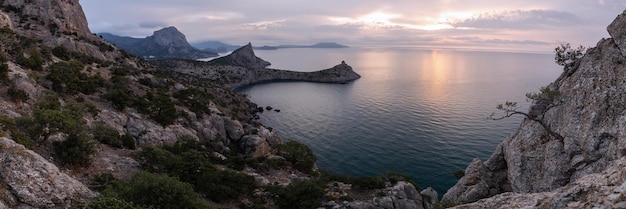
{"type": "Point", "coordinates": [518, 19]}
{"type": "Point", "coordinates": [264, 25]}
{"type": "Point", "coordinates": [498, 41]}
{"type": "Point", "coordinates": [152, 24]}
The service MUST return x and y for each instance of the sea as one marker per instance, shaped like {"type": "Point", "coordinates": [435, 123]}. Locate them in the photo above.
{"type": "Point", "coordinates": [421, 112]}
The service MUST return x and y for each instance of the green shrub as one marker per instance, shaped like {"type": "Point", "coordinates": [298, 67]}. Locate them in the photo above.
{"type": "Point", "coordinates": [107, 135]}
{"type": "Point", "coordinates": [298, 194]}
{"type": "Point", "coordinates": [67, 77]}
{"type": "Point", "coordinates": [119, 98]}
{"type": "Point", "coordinates": [128, 141]}
{"type": "Point", "coordinates": [160, 108]}
{"type": "Point", "coordinates": [17, 95]}
{"type": "Point", "coordinates": [111, 203]}
{"type": "Point", "coordinates": [298, 154]}
{"type": "Point", "coordinates": [194, 166]}
{"type": "Point", "coordinates": [102, 181]}
{"type": "Point", "coordinates": [368, 182]}
{"type": "Point", "coordinates": [10, 125]}
{"type": "Point", "coordinates": [4, 73]}
{"type": "Point", "coordinates": [194, 98]}
{"type": "Point", "coordinates": [34, 62]}
{"type": "Point", "coordinates": [61, 52]}
{"type": "Point", "coordinates": [77, 149]}
{"type": "Point", "coordinates": [155, 191]}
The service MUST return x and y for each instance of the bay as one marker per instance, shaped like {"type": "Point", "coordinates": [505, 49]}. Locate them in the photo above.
{"type": "Point", "coordinates": [421, 112]}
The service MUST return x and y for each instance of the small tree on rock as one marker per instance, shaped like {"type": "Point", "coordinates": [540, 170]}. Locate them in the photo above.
{"type": "Point", "coordinates": [566, 56]}
{"type": "Point", "coordinates": [542, 101]}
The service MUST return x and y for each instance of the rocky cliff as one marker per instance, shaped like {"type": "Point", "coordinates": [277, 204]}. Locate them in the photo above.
{"type": "Point", "coordinates": [591, 118]}
{"type": "Point", "coordinates": [242, 68]}
{"type": "Point", "coordinates": [55, 23]}
{"type": "Point", "coordinates": [167, 43]}
{"type": "Point", "coordinates": [242, 57]}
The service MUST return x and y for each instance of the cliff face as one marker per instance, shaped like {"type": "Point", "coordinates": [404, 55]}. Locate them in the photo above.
{"type": "Point", "coordinates": [55, 23]}
{"type": "Point", "coordinates": [591, 118]}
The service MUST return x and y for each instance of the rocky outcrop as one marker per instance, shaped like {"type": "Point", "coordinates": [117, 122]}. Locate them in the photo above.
{"type": "Point", "coordinates": [202, 73]}
{"type": "Point", "coordinates": [402, 195]}
{"type": "Point", "coordinates": [30, 181]}
{"type": "Point", "coordinates": [242, 57]}
{"type": "Point", "coordinates": [167, 43]}
{"type": "Point", "coordinates": [600, 190]}
{"type": "Point", "coordinates": [56, 23]}
{"type": "Point", "coordinates": [591, 118]}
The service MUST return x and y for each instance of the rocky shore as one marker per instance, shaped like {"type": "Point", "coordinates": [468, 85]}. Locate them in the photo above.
{"type": "Point", "coordinates": [242, 68]}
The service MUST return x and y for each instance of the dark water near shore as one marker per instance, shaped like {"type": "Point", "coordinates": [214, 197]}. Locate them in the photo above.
{"type": "Point", "coordinates": [415, 111]}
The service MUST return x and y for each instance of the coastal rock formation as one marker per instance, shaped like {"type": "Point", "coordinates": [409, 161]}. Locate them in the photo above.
{"type": "Point", "coordinates": [167, 43]}
{"type": "Point", "coordinates": [30, 181]}
{"type": "Point", "coordinates": [600, 190]}
{"type": "Point", "coordinates": [242, 57]}
{"type": "Point", "coordinates": [403, 195]}
{"type": "Point", "coordinates": [202, 73]}
{"type": "Point", "coordinates": [592, 120]}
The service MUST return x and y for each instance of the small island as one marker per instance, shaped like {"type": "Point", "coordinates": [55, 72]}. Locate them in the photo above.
{"type": "Point", "coordinates": [243, 68]}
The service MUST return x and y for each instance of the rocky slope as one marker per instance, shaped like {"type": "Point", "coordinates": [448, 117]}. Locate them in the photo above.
{"type": "Point", "coordinates": [242, 68]}
{"type": "Point", "coordinates": [592, 120]}
{"type": "Point", "coordinates": [167, 43]}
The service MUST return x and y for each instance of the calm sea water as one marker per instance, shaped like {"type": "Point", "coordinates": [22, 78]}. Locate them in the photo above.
{"type": "Point", "coordinates": [415, 111]}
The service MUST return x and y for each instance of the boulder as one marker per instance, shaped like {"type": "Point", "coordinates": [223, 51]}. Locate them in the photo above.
{"type": "Point", "coordinates": [430, 196]}
{"type": "Point", "coordinates": [35, 182]}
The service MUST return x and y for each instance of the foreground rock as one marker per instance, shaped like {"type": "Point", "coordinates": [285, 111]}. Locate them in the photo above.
{"type": "Point", "coordinates": [30, 181]}
{"type": "Point", "coordinates": [403, 195]}
{"type": "Point", "coordinates": [602, 190]}
{"type": "Point", "coordinates": [592, 120]}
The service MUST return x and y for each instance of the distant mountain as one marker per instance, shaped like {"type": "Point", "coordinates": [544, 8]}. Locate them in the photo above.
{"type": "Point", "coordinates": [215, 46]}
{"type": "Point", "coordinates": [323, 45]}
{"type": "Point", "coordinates": [166, 43]}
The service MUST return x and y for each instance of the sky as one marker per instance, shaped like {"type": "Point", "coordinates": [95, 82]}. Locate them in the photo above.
{"type": "Point", "coordinates": [510, 25]}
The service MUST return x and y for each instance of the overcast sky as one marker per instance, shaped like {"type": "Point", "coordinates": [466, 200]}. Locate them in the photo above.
{"type": "Point", "coordinates": [536, 25]}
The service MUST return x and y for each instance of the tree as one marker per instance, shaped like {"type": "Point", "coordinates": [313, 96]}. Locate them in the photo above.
{"type": "Point", "coordinates": [542, 101]}
{"type": "Point", "coordinates": [566, 56]}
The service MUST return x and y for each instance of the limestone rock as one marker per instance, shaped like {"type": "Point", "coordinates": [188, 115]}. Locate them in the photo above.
{"type": "Point", "coordinates": [254, 146]}
{"type": "Point", "coordinates": [34, 181]}
{"type": "Point", "coordinates": [5, 21]}
{"type": "Point", "coordinates": [430, 196]}
{"type": "Point", "coordinates": [618, 32]}
{"type": "Point", "coordinates": [403, 195]}
{"type": "Point", "coordinates": [591, 118]}
{"type": "Point", "coordinates": [234, 129]}
{"type": "Point", "coordinates": [599, 190]}
{"type": "Point", "coordinates": [242, 57]}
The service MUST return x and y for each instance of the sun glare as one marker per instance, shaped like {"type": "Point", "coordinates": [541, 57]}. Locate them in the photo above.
{"type": "Point", "coordinates": [381, 19]}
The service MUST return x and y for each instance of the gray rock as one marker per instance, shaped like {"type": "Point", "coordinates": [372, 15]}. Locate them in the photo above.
{"type": "Point", "coordinates": [254, 146]}
{"type": "Point", "coordinates": [430, 196]}
{"type": "Point", "coordinates": [35, 182]}
{"type": "Point", "coordinates": [234, 129]}
{"type": "Point", "coordinates": [591, 119]}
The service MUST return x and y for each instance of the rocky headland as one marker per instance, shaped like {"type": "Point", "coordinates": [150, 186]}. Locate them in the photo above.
{"type": "Point", "coordinates": [243, 67]}
{"type": "Point", "coordinates": [585, 169]}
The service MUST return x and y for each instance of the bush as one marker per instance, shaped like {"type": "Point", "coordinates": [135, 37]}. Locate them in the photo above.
{"type": "Point", "coordinates": [155, 191]}
{"type": "Point", "coordinates": [107, 135]}
{"type": "Point", "coordinates": [160, 108]}
{"type": "Point", "coordinates": [77, 149]}
{"type": "Point", "coordinates": [10, 125]}
{"type": "Point", "coordinates": [34, 62]}
{"type": "Point", "coordinates": [17, 95]}
{"type": "Point", "coordinates": [111, 203]}
{"type": "Point", "coordinates": [61, 52]}
{"type": "Point", "coordinates": [298, 194]}
{"type": "Point", "coordinates": [566, 56]}
{"type": "Point", "coordinates": [128, 141]}
{"type": "Point", "coordinates": [67, 77]}
{"type": "Point", "coordinates": [299, 155]}
{"type": "Point", "coordinates": [4, 73]}
{"type": "Point", "coordinates": [102, 181]}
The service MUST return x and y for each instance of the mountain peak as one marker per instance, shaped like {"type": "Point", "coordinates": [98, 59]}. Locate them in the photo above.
{"type": "Point", "coordinates": [243, 57]}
